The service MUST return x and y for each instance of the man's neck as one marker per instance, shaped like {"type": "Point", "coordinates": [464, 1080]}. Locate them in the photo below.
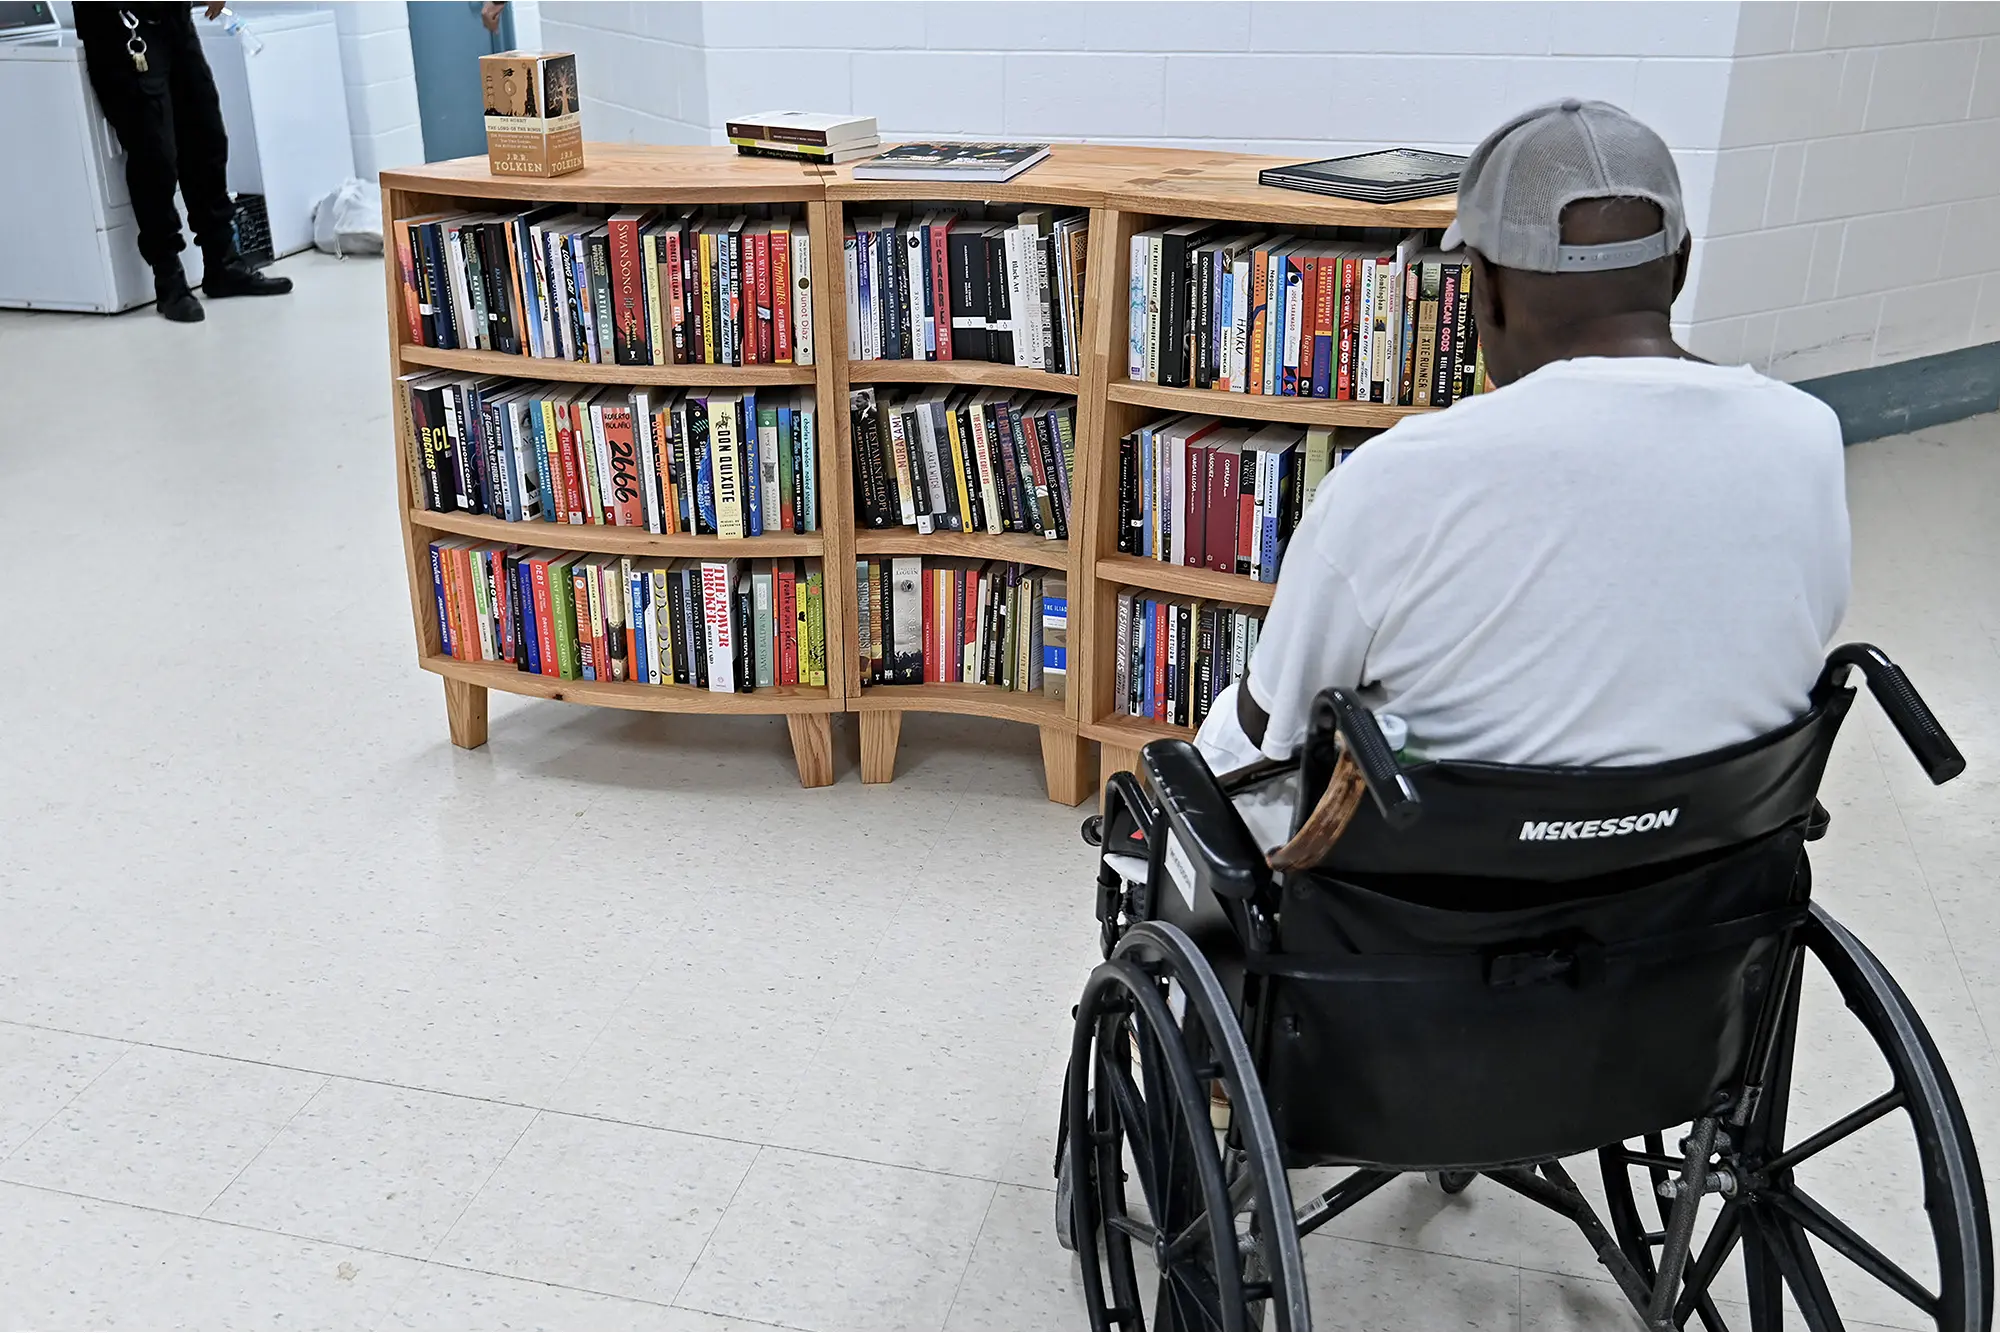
{"type": "Point", "coordinates": [1630, 334]}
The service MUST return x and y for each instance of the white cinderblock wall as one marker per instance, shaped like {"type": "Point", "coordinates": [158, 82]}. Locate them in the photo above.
{"type": "Point", "coordinates": [1855, 214]}
{"type": "Point", "coordinates": [381, 84]}
{"type": "Point", "coordinates": [1840, 161]}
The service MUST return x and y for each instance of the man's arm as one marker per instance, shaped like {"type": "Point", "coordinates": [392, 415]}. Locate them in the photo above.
{"type": "Point", "coordinates": [1314, 636]}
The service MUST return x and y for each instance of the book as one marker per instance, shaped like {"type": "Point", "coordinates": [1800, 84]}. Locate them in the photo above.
{"type": "Point", "coordinates": [806, 129]}
{"type": "Point", "coordinates": [922, 620]}
{"type": "Point", "coordinates": [791, 152]}
{"type": "Point", "coordinates": [985, 162]}
{"type": "Point", "coordinates": [1390, 176]}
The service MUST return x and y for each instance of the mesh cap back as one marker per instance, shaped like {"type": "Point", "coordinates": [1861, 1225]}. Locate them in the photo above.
{"type": "Point", "coordinates": [1515, 186]}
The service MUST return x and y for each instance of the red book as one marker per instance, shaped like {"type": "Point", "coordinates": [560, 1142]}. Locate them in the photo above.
{"type": "Point", "coordinates": [930, 628]}
{"type": "Point", "coordinates": [1308, 304]}
{"type": "Point", "coordinates": [973, 578]}
{"type": "Point", "coordinates": [1219, 532]}
{"type": "Point", "coordinates": [1194, 505]}
{"type": "Point", "coordinates": [628, 289]}
{"type": "Point", "coordinates": [781, 299]}
{"type": "Point", "coordinates": [572, 485]}
{"type": "Point", "coordinates": [788, 628]}
{"type": "Point", "coordinates": [406, 260]}
{"type": "Point", "coordinates": [941, 283]}
{"type": "Point", "coordinates": [1348, 336]}
{"type": "Point", "coordinates": [1246, 509]}
{"type": "Point", "coordinates": [496, 587]}
{"type": "Point", "coordinates": [761, 304]}
{"type": "Point", "coordinates": [545, 624]}
{"type": "Point", "coordinates": [676, 312]}
{"type": "Point", "coordinates": [627, 508]}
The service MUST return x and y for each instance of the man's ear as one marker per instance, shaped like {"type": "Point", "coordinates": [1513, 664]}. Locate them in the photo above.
{"type": "Point", "coordinates": [1488, 306]}
{"type": "Point", "coordinates": [1680, 263]}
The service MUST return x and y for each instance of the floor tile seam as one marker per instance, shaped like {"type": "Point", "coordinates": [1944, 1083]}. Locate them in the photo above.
{"type": "Point", "coordinates": [56, 1114]}
{"type": "Point", "coordinates": [277, 1132]}
{"type": "Point", "coordinates": [444, 1233]}
{"type": "Point", "coordinates": [1930, 894]}
{"type": "Point", "coordinates": [985, 1216]}
{"type": "Point", "coordinates": [709, 1239]}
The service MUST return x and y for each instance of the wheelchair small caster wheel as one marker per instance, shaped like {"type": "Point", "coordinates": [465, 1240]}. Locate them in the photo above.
{"type": "Point", "coordinates": [1451, 1182]}
{"type": "Point", "coordinates": [1093, 830]}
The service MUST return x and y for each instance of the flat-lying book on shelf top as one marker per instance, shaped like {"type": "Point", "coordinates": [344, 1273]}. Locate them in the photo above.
{"type": "Point", "coordinates": [803, 129]}
{"type": "Point", "coordinates": [1392, 176]}
{"type": "Point", "coordinates": [793, 152]}
{"type": "Point", "coordinates": [984, 162]}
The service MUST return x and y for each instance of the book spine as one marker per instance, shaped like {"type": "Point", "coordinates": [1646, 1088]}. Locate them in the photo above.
{"type": "Point", "coordinates": [941, 287]}
{"type": "Point", "coordinates": [802, 297]}
{"type": "Point", "coordinates": [1318, 281]}
{"type": "Point", "coordinates": [1364, 360]}
{"type": "Point", "coordinates": [625, 277]}
{"type": "Point", "coordinates": [1462, 336]}
{"type": "Point", "coordinates": [781, 297]}
{"type": "Point", "coordinates": [766, 304]}
{"type": "Point", "coordinates": [1427, 332]}
{"type": "Point", "coordinates": [1137, 311]}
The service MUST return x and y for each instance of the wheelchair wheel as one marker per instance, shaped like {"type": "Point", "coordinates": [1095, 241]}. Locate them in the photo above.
{"type": "Point", "coordinates": [1210, 1241]}
{"type": "Point", "coordinates": [1781, 1189]}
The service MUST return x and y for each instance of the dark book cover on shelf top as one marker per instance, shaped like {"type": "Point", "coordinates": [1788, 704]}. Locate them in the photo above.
{"type": "Point", "coordinates": [1389, 176]}
{"type": "Point", "coordinates": [988, 162]}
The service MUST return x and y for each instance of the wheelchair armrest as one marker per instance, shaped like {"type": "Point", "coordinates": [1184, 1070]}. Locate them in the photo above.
{"type": "Point", "coordinates": [1203, 822]}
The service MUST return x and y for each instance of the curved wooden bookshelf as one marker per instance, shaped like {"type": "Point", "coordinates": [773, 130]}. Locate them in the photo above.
{"type": "Point", "coordinates": [1126, 189]}
{"type": "Point", "coordinates": [1135, 571]}
{"type": "Point", "coordinates": [1019, 547]}
{"type": "Point", "coordinates": [625, 694]}
{"type": "Point", "coordinates": [983, 374]}
{"type": "Point", "coordinates": [583, 372]}
{"type": "Point", "coordinates": [1257, 406]}
{"type": "Point", "coordinates": [598, 537]}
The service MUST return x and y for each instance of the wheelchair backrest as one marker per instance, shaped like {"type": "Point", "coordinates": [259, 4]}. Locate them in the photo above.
{"type": "Point", "coordinates": [1559, 825]}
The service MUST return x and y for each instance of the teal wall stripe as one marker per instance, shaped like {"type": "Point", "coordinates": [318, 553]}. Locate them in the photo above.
{"type": "Point", "coordinates": [1909, 395]}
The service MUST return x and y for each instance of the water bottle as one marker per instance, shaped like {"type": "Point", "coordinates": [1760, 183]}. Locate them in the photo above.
{"type": "Point", "coordinates": [237, 28]}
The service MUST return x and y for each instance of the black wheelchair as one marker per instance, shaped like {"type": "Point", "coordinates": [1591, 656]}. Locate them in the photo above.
{"type": "Point", "coordinates": [1553, 962]}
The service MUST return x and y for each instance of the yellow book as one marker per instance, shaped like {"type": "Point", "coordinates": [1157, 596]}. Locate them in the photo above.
{"type": "Point", "coordinates": [558, 502]}
{"type": "Point", "coordinates": [958, 468]}
{"type": "Point", "coordinates": [816, 627]}
{"type": "Point", "coordinates": [703, 269]}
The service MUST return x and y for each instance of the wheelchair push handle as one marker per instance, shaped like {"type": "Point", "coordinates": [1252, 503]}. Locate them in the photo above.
{"type": "Point", "coordinates": [1908, 713]}
{"type": "Point", "coordinates": [1394, 796]}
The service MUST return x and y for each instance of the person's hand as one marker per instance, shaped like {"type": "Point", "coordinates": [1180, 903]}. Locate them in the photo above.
{"type": "Point", "coordinates": [489, 14]}
{"type": "Point", "coordinates": [213, 9]}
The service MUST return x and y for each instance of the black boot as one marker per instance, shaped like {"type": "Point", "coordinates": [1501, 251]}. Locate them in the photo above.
{"type": "Point", "coordinates": [171, 294]}
{"type": "Point", "coordinates": [229, 274]}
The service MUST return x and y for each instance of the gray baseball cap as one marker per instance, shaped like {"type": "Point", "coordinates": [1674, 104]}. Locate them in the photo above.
{"type": "Point", "coordinates": [1515, 186]}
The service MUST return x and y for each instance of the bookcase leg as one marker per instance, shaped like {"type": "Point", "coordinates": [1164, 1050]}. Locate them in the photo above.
{"type": "Point", "coordinates": [1067, 764]}
{"type": "Point", "coordinates": [1114, 759]}
{"type": "Point", "coordinates": [812, 747]}
{"type": "Point", "coordinates": [880, 733]}
{"type": "Point", "coordinates": [465, 712]}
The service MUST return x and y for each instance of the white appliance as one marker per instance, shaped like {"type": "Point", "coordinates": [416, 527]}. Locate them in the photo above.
{"type": "Point", "coordinates": [68, 240]}
{"type": "Point", "coordinates": [286, 110]}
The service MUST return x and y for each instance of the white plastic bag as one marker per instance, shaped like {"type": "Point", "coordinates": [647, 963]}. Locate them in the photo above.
{"type": "Point", "coordinates": [349, 221]}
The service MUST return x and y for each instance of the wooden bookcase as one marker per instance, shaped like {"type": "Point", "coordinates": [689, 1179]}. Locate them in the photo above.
{"type": "Point", "coordinates": [1126, 189]}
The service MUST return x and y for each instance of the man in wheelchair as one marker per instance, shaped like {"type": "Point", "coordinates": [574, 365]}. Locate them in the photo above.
{"type": "Point", "coordinates": [1578, 917]}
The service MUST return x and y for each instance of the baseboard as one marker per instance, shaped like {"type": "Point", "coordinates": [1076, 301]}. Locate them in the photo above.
{"type": "Point", "coordinates": [1909, 395]}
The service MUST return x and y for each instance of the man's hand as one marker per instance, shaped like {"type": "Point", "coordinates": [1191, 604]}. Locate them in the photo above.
{"type": "Point", "coordinates": [489, 14]}
{"type": "Point", "coordinates": [213, 9]}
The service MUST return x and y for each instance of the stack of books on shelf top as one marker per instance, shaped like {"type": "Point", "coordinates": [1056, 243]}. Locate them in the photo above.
{"type": "Point", "coordinates": [1373, 320]}
{"type": "Point", "coordinates": [1209, 494]}
{"type": "Point", "coordinates": [642, 287]}
{"type": "Point", "coordinates": [729, 626]}
{"type": "Point", "coordinates": [963, 460]}
{"type": "Point", "coordinates": [954, 284]}
{"type": "Point", "coordinates": [962, 622]}
{"type": "Point", "coordinates": [723, 463]}
{"type": "Point", "coordinates": [1176, 654]}
{"type": "Point", "coordinates": [805, 136]}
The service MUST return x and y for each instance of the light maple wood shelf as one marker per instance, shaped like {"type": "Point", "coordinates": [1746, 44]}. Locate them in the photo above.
{"type": "Point", "coordinates": [606, 540]}
{"type": "Point", "coordinates": [978, 374]}
{"type": "Point", "coordinates": [1137, 571]}
{"type": "Point", "coordinates": [1125, 189]}
{"type": "Point", "coordinates": [585, 372]}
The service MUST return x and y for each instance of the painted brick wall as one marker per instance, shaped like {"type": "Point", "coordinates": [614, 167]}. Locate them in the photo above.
{"type": "Point", "coordinates": [381, 85]}
{"type": "Point", "coordinates": [642, 67]}
{"type": "Point", "coordinates": [1856, 194]}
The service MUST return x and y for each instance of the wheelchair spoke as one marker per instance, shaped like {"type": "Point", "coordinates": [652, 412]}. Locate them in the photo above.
{"type": "Point", "coordinates": [1801, 1209]}
{"type": "Point", "coordinates": [1140, 1233]}
{"type": "Point", "coordinates": [1132, 1110]}
{"type": "Point", "coordinates": [1199, 1291]}
{"type": "Point", "coordinates": [1838, 1130]}
{"type": "Point", "coordinates": [1793, 1255]}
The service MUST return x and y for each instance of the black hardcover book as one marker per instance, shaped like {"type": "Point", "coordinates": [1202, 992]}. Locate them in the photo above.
{"type": "Point", "coordinates": [423, 422]}
{"type": "Point", "coordinates": [697, 349]}
{"type": "Point", "coordinates": [1128, 495]}
{"type": "Point", "coordinates": [425, 276]}
{"type": "Point", "coordinates": [1056, 346]}
{"type": "Point", "coordinates": [968, 458]}
{"type": "Point", "coordinates": [1002, 461]}
{"type": "Point", "coordinates": [497, 502]}
{"type": "Point", "coordinates": [697, 625]}
{"type": "Point", "coordinates": [599, 250]}
{"type": "Point", "coordinates": [1386, 177]}
{"type": "Point", "coordinates": [999, 301]}
{"type": "Point", "coordinates": [1204, 666]}
{"type": "Point", "coordinates": [940, 418]}
{"type": "Point", "coordinates": [965, 258]}
{"type": "Point", "coordinates": [446, 445]}
{"type": "Point", "coordinates": [1176, 292]}
{"type": "Point", "coordinates": [1463, 343]}
{"type": "Point", "coordinates": [1202, 317]}
{"type": "Point", "coordinates": [1445, 348]}
{"type": "Point", "coordinates": [503, 329]}
{"type": "Point", "coordinates": [438, 284]}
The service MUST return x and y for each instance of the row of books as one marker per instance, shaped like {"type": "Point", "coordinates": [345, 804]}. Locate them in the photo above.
{"type": "Point", "coordinates": [935, 622]}
{"type": "Point", "coordinates": [963, 460]}
{"type": "Point", "coordinates": [728, 626]}
{"type": "Point", "coordinates": [1211, 494]}
{"type": "Point", "coordinates": [724, 463]}
{"type": "Point", "coordinates": [946, 286]}
{"type": "Point", "coordinates": [1368, 321]}
{"type": "Point", "coordinates": [1175, 654]}
{"type": "Point", "coordinates": [644, 286]}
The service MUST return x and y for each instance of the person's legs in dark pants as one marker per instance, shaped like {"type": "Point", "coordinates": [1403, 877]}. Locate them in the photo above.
{"type": "Point", "coordinates": [202, 159]}
{"type": "Point", "coordinates": [139, 105]}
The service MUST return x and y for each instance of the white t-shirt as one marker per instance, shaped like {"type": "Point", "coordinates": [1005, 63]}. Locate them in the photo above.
{"type": "Point", "coordinates": [1611, 561]}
